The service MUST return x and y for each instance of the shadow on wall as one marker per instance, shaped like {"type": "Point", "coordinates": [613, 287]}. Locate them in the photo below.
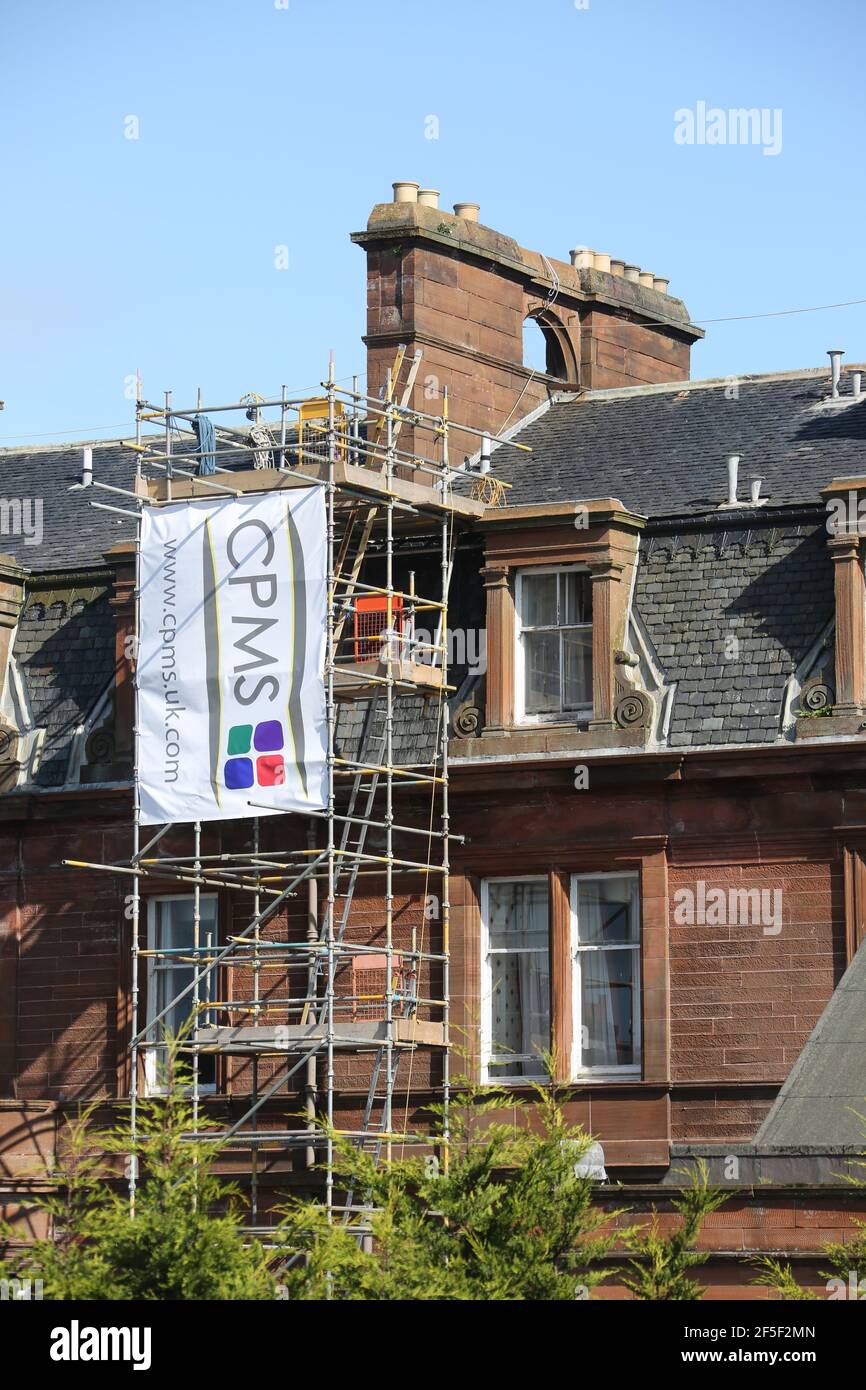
{"type": "Point", "coordinates": [65, 654]}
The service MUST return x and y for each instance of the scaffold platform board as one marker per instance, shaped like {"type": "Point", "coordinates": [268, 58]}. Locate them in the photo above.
{"type": "Point", "coordinates": [348, 478]}
{"type": "Point", "coordinates": [296, 1037]}
{"type": "Point", "coordinates": [362, 679]}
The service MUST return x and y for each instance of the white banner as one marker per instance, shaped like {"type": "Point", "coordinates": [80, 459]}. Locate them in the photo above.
{"type": "Point", "coordinates": [232, 623]}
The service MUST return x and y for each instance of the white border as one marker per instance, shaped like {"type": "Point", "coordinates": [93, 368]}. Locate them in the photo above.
{"type": "Point", "coordinates": [487, 978]}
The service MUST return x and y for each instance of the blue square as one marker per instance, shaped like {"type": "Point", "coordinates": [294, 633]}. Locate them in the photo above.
{"type": "Point", "coordinates": [239, 774]}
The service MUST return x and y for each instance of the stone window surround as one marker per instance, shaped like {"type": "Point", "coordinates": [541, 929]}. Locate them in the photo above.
{"type": "Point", "coordinates": [846, 552]}
{"type": "Point", "coordinates": [521, 538]}
{"type": "Point", "coordinates": [649, 861]}
{"type": "Point", "coordinates": [565, 991]}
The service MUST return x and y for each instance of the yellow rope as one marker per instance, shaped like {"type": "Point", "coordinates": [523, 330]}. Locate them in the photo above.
{"type": "Point", "coordinates": [489, 490]}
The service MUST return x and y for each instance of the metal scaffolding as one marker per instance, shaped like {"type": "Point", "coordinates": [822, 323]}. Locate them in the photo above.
{"type": "Point", "coordinates": [275, 1012]}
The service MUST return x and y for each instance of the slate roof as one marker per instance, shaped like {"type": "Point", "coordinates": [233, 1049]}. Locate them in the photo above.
{"type": "Point", "coordinates": [414, 736]}
{"type": "Point", "coordinates": [73, 533]}
{"type": "Point", "coordinates": [731, 615]}
{"type": "Point", "coordinates": [662, 449]}
{"type": "Point", "coordinates": [823, 1101]}
{"type": "Point", "coordinates": [64, 649]}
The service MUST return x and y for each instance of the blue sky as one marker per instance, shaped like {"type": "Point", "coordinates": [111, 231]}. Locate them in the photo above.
{"type": "Point", "coordinates": [263, 124]}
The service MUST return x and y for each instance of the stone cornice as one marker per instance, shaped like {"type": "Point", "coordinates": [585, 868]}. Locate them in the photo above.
{"type": "Point", "coordinates": [408, 223]}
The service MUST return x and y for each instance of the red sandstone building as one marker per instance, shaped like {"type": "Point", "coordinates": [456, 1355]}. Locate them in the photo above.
{"type": "Point", "coordinates": [657, 746]}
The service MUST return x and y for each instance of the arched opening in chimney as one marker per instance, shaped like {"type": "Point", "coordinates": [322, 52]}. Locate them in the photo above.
{"type": "Point", "coordinates": [547, 348]}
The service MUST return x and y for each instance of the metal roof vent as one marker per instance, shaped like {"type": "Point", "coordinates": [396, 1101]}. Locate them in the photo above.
{"type": "Point", "coordinates": [835, 355]}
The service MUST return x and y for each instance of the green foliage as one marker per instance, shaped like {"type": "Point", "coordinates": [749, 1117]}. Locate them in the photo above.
{"type": "Point", "coordinates": [847, 1261]}
{"type": "Point", "coordinates": [185, 1240]}
{"type": "Point", "coordinates": [780, 1278]}
{"type": "Point", "coordinates": [506, 1219]}
{"type": "Point", "coordinates": [847, 1257]}
{"type": "Point", "coordinates": [660, 1273]}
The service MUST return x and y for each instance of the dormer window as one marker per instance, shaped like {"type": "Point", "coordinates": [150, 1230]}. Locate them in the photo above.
{"type": "Point", "coordinates": [558, 578]}
{"type": "Point", "coordinates": [554, 643]}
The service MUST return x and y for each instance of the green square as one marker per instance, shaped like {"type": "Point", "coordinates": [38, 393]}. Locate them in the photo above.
{"type": "Point", "coordinates": [240, 739]}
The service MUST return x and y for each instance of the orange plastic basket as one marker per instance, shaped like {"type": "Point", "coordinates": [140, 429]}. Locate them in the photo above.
{"type": "Point", "coordinates": [371, 621]}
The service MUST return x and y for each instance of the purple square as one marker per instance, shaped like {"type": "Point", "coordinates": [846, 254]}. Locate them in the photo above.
{"type": "Point", "coordinates": [239, 774]}
{"type": "Point", "coordinates": [268, 736]}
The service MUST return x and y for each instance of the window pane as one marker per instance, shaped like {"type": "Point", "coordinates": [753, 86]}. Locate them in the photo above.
{"type": "Point", "coordinates": [575, 598]}
{"type": "Point", "coordinates": [577, 668]}
{"type": "Point", "coordinates": [607, 1008]}
{"type": "Point", "coordinates": [174, 921]}
{"type": "Point", "coordinates": [538, 600]}
{"type": "Point", "coordinates": [170, 980]}
{"type": "Point", "coordinates": [517, 915]}
{"type": "Point", "coordinates": [520, 1014]}
{"type": "Point", "coordinates": [607, 910]}
{"type": "Point", "coordinates": [519, 974]}
{"type": "Point", "coordinates": [542, 672]}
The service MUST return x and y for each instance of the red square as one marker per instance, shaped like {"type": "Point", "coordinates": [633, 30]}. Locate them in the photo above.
{"type": "Point", "coordinates": [270, 770]}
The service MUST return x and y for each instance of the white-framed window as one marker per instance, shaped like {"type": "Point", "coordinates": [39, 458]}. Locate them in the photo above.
{"type": "Point", "coordinates": [553, 667]}
{"type": "Point", "coordinates": [171, 929]}
{"type": "Point", "coordinates": [515, 978]}
{"type": "Point", "coordinates": [605, 940]}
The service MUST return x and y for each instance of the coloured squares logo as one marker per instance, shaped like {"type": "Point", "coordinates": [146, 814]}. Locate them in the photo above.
{"type": "Point", "coordinates": [254, 756]}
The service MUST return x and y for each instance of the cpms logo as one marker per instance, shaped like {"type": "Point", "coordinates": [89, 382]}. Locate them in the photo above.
{"type": "Point", "coordinates": [255, 755]}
